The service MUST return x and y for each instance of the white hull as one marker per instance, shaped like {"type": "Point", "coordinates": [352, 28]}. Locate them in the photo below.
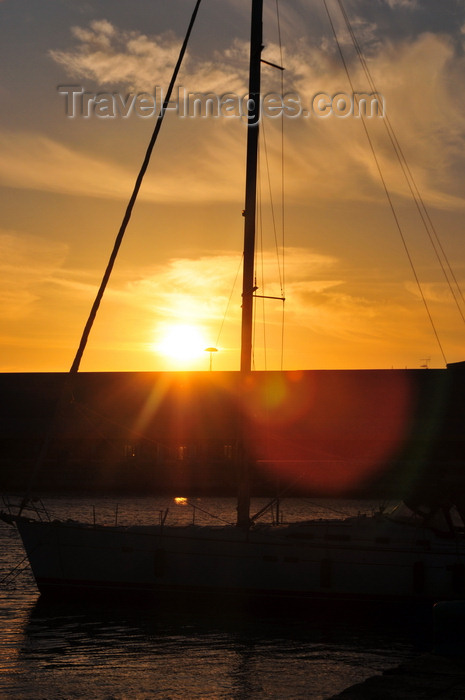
{"type": "Point", "coordinates": [365, 558]}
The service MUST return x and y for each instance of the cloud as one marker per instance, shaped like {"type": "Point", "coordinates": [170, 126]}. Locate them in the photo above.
{"type": "Point", "coordinates": [433, 292]}
{"type": "Point", "coordinates": [37, 162]}
{"type": "Point", "coordinates": [108, 56]}
{"type": "Point", "coordinates": [32, 161]}
{"type": "Point", "coordinates": [198, 289]}
{"type": "Point", "coordinates": [327, 313]}
{"type": "Point", "coordinates": [26, 263]}
{"type": "Point", "coordinates": [419, 81]}
{"type": "Point", "coordinates": [325, 158]}
{"type": "Point", "coordinates": [330, 317]}
{"type": "Point", "coordinates": [408, 4]}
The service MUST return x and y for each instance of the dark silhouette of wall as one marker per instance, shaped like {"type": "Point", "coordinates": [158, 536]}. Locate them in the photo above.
{"type": "Point", "coordinates": [370, 432]}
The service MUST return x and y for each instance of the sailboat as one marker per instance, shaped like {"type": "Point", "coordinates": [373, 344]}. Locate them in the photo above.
{"type": "Point", "coordinates": [416, 551]}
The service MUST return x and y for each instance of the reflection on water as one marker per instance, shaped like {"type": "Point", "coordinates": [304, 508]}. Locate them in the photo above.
{"type": "Point", "coordinates": [173, 650]}
{"type": "Point", "coordinates": [77, 650]}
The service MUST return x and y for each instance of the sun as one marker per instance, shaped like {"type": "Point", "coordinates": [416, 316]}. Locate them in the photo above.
{"type": "Point", "coordinates": [181, 343]}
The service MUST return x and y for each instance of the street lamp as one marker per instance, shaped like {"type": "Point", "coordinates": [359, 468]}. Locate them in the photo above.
{"type": "Point", "coordinates": [211, 351]}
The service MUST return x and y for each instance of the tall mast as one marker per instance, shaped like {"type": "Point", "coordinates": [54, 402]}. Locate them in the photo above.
{"type": "Point", "coordinates": [251, 184]}
{"type": "Point", "coordinates": [253, 116]}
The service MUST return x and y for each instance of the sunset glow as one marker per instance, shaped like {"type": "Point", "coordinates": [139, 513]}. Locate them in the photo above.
{"type": "Point", "coordinates": [67, 169]}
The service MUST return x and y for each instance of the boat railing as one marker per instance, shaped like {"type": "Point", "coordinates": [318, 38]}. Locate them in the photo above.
{"type": "Point", "coordinates": [34, 506]}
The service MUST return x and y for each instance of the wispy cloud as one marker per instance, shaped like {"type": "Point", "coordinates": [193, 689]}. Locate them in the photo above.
{"type": "Point", "coordinates": [26, 263]}
{"type": "Point", "coordinates": [329, 317]}
{"type": "Point", "coordinates": [409, 4]}
{"type": "Point", "coordinates": [109, 55]}
{"type": "Point", "coordinates": [31, 161]}
{"type": "Point", "coordinates": [420, 82]}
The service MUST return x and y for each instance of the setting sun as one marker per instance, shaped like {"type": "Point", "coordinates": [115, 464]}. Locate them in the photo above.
{"type": "Point", "coordinates": [353, 301]}
{"type": "Point", "coordinates": [181, 343]}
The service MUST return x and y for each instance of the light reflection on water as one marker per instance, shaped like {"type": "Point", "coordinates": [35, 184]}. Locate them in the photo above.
{"type": "Point", "coordinates": [211, 650]}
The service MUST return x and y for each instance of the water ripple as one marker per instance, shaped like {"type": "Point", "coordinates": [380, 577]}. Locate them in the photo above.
{"type": "Point", "coordinates": [71, 651]}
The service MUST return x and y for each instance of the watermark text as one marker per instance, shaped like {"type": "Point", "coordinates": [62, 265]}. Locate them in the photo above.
{"type": "Point", "coordinates": [80, 103]}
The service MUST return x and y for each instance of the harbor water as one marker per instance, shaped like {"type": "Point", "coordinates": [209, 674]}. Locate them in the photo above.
{"type": "Point", "coordinates": [215, 650]}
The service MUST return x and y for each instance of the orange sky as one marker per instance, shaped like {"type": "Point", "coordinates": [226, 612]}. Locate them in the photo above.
{"type": "Point", "coordinates": [351, 297]}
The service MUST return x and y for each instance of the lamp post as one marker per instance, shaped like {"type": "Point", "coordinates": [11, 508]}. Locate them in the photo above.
{"type": "Point", "coordinates": [211, 351]}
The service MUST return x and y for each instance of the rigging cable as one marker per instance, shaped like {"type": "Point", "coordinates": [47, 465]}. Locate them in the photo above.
{"type": "Point", "coordinates": [132, 200]}
{"type": "Point", "coordinates": [386, 191]}
{"type": "Point", "coordinates": [283, 282]}
{"type": "Point", "coordinates": [279, 247]}
{"type": "Point", "coordinates": [273, 216]}
{"type": "Point", "coordinates": [411, 182]}
{"type": "Point", "coordinates": [229, 300]}
{"type": "Point", "coordinates": [259, 227]}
